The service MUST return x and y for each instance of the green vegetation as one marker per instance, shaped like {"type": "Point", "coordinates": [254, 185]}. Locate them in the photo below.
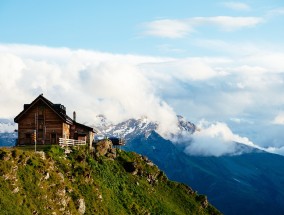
{"type": "Point", "coordinates": [81, 182]}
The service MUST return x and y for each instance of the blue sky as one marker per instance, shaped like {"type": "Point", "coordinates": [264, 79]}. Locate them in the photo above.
{"type": "Point", "coordinates": [120, 27]}
{"type": "Point", "coordinates": [218, 63]}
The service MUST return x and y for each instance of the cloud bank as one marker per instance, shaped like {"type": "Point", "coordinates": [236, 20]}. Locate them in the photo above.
{"type": "Point", "coordinates": [89, 82]}
{"type": "Point", "coordinates": [215, 139]}
{"type": "Point", "coordinates": [243, 89]}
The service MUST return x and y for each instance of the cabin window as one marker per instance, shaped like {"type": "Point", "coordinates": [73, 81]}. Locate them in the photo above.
{"type": "Point", "coordinates": [40, 124]}
{"type": "Point", "coordinates": [40, 110]}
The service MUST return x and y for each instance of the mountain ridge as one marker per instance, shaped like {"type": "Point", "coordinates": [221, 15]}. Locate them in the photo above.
{"type": "Point", "coordinates": [247, 175]}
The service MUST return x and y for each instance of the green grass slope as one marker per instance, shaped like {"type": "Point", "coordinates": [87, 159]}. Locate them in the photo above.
{"type": "Point", "coordinates": [52, 182]}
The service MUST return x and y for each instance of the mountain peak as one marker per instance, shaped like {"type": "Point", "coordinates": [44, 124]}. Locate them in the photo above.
{"type": "Point", "coordinates": [141, 126]}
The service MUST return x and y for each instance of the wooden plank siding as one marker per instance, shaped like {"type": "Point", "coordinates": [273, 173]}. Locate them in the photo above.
{"type": "Point", "coordinates": [48, 125]}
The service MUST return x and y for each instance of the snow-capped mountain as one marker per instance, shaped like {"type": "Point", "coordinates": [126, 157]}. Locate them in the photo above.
{"type": "Point", "coordinates": [229, 181]}
{"type": "Point", "coordinates": [136, 127]}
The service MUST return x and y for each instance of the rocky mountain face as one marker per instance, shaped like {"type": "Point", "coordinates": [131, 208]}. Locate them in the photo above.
{"type": "Point", "coordinates": [132, 128]}
{"type": "Point", "coordinates": [248, 182]}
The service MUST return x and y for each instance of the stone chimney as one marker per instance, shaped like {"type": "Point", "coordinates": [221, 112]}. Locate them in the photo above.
{"type": "Point", "coordinates": [74, 116]}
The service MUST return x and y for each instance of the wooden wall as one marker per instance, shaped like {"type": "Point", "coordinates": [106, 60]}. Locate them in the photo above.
{"type": "Point", "coordinates": [45, 121]}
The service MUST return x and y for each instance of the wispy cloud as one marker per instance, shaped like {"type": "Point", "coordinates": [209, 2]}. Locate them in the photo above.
{"type": "Point", "coordinates": [227, 23]}
{"type": "Point", "coordinates": [181, 28]}
{"type": "Point", "coordinates": [170, 49]}
{"type": "Point", "coordinates": [276, 12]}
{"type": "Point", "coordinates": [238, 6]}
{"type": "Point", "coordinates": [279, 119]}
{"type": "Point", "coordinates": [167, 28]}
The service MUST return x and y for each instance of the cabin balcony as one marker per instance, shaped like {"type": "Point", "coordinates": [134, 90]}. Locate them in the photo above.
{"type": "Point", "coordinates": [71, 142]}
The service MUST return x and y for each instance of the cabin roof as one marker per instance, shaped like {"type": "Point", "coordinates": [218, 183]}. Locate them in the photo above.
{"type": "Point", "coordinates": [57, 108]}
{"type": "Point", "coordinates": [84, 126]}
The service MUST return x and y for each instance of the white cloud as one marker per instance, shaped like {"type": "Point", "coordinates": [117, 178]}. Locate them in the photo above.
{"type": "Point", "coordinates": [215, 139]}
{"type": "Point", "coordinates": [89, 82]}
{"type": "Point", "coordinates": [181, 28]}
{"type": "Point", "coordinates": [226, 89]}
{"type": "Point", "coordinates": [238, 6]}
{"type": "Point", "coordinates": [275, 150]}
{"type": "Point", "coordinates": [169, 49]}
{"type": "Point", "coordinates": [279, 119]}
{"type": "Point", "coordinates": [275, 12]}
{"type": "Point", "coordinates": [228, 23]}
{"type": "Point", "coordinates": [7, 127]}
{"type": "Point", "coordinates": [187, 69]}
{"type": "Point", "coordinates": [167, 28]}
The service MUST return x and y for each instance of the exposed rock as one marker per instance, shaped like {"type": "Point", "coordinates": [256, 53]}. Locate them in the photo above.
{"type": "Point", "coordinates": [16, 190]}
{"type": "Point", "coordinates": [67, 151]}
{"type": "Point", "coordinates": [111, 153]}
{"type": "Point", "coordinates": [41, 154]}
{"type": "Point", "coordinates": [81, 206]}
{"type": "Point", "coordinates": [152, 179]}
{"type": "Point", "coordinates": [47, 176]}
{"type": "Point", "coordinates": [61, 176]}
{"type": "Point", "coordinates": [100, 197]}
{"type": "Point", "coordinates": [203, 200]}
{"type": "Point", "coordinates": [102, 147]}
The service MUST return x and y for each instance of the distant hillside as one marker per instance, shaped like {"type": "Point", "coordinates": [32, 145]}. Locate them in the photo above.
{"type": "Point", "coordinates": [82, 182]}
{"type": "Point", "coordinates": [249, 183]}
{"type": "Point", "coordinates": [8, 139]}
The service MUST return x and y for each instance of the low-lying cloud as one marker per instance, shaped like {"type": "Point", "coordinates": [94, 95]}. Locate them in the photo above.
{"type": "Point", "coordinates": [89, 82]}
{"type": "Point", "coordinates": [245, 88]}
{"type": "Point", "coordinates": [215, 139]}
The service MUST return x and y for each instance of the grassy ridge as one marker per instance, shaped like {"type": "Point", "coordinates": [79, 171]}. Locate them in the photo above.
{"type": "Point", "coordinates": [80, 182]}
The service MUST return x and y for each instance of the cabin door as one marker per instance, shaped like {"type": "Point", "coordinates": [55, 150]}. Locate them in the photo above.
{"type": "Point", "coordinates": [53, 138]}
{"type": "Point", "coordinates": [28, 138]}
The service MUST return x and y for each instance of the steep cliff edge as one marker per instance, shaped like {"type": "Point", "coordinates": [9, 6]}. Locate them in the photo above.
{"type": "Point", "coordinates": [83, 182]}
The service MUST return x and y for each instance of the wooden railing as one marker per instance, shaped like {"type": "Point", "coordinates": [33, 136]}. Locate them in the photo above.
{"type": "Point", "coordinates": [71, 142]}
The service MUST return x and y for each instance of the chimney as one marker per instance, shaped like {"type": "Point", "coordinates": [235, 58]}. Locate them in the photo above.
{"type": "Point", "coordinates": [74, 116]}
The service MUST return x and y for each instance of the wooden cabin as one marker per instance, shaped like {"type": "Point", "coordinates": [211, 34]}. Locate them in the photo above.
{"type": "Point", "coordinates": [49, 122]}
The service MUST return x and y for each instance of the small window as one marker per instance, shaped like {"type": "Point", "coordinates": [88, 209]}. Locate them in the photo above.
{"type": "Point", "coordinates": [28, 136]}
{"type": "Point", "coordinates": [40, 110]}
{"type": "Point", "coordinates": [40, 124]}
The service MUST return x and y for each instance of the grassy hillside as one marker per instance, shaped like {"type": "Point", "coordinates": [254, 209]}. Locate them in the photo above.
{"type": "Point", "coordinates": [81, 182]}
